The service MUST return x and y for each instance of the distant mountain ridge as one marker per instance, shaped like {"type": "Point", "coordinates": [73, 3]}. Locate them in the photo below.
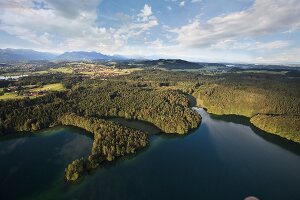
{"type": "Point", "coordinates": [160, 63]}
{"type": "Point", "coordinates": [8, 55]}
{"type": "Point", "coordinates": [25, 55]}
{"type": "Point", "coordinates": [11, 55]}
{"type": "Point", "coordinates": [84, 56]}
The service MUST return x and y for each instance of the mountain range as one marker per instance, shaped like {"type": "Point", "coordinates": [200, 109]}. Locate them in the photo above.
{"type": "Point", "coordinates": [25, 55]}
{"type": "Point", "coordinates": [12, 55]}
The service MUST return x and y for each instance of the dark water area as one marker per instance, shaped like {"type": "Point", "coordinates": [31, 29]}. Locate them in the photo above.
{"type": "Point", "coordinates": [35, 163]}
{"type": "Point", "coordinates": [136, 124]}
{"type": "Point", "coordinates": [225, 158]}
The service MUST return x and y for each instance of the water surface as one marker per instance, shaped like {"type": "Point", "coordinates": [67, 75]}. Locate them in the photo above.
{"type": "Point", "coordinates": [225, 158]}
{"type": "Point", "coordinates": [35, 163]}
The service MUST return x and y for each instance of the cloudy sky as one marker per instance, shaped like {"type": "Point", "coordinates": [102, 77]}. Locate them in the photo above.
{"type": "Point", "coordinates": [256, 31]}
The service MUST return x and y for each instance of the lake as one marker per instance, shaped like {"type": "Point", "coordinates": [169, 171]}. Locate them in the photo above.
{"type": "Point", "coordinates": [225, 158]}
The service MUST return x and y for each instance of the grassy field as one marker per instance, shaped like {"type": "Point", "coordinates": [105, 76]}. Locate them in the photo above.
{"type": "Point", "coordinates": [10, 95]}
{"type": "Point", "coordinates": [65, 70]}
{"type": "Point", "coordinates": [87, 73]}
{"type": "Point", "coordinates": [111, 71]}
{"type": "Point", "coordinates": [132, 70]}
{"type": "Point", "coordinates": [50, 87]}
{"type": "Point", "coordinates": [263, 72]}
{"type": "Point", "coordinates": [40, 72]}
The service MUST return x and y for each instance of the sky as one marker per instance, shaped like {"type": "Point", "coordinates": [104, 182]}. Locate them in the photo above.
{"type": "Point", "coordinates": [250, 31]}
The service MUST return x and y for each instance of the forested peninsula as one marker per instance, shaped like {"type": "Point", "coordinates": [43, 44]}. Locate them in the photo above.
{"type": "Point", "coordinates": [89, 104]}
{"type": "Point", "coordinates": [111, 140]}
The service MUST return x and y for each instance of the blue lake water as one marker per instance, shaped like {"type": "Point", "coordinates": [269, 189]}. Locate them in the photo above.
{"type": "Point", "coordinates": [225, 158]}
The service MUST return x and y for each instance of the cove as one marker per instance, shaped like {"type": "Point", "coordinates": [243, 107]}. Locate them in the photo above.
{"type": "Point", "coordinates": [224, 158]}
{"type": "Point", "coordinates": [35, 163]}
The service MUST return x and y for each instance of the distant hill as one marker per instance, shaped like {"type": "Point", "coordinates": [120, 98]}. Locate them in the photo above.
{"type": "Point", "coordinates": [160, 63]}
{"type": "Point", "coordinates": [212, 64]}
{"type": "Point", "coordinates": [13, 55]}
{"type": "Point", "coordinates": [8, 55]}
{"type": "Point", "coordinates": [84, 56]}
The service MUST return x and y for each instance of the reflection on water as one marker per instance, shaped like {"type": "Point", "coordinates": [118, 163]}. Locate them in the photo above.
{"type": "Point", "coordinates": [225, 158]}
{"type": "Point", "coordinates": [136, 124]}
{"type": "Point", "coordinates": [283, 143]}
{"type": "Point", "coordinates": [30, 164]}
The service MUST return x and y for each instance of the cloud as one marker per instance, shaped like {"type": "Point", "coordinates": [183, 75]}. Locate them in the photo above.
{"type": "Point", "coordinates": [72, 8]}
{"type": "Point", "coordinates": [264, 17]}
{"type": "Point", "coordinates": [288, 56]}
{"type": "Point", "coordinates": [69, 25]}
{"type": "Point", "coordinates": [230, 44]}
{"type": "Point", "coordinates": [54, 25]}
{"type": "Point", "coordinates": [196, 1]}
{"type": "Point", "coordinates": [146, 12]}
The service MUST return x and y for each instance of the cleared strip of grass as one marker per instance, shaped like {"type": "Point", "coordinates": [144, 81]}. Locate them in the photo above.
{"type": "Point", "coordinates": [87, 73]}
{"type": "Point", "coordinates": [40, 72]}
{"type": "Point", "coordinates": [50, 87]}
{"type": "Point", "coordinates": [10, 96]}
{"type": "Point", "coordinates": [263, 72]}
{"type": "Point", "coordinates": [65, 70]}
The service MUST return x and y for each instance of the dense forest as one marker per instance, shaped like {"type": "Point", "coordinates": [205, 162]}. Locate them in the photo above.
{"type": "Point", "coordinates": [279, 100]}
{"type": "Point", "coordinates": [287, 126]}
{"type": "Point", "coordinates": [87, 104]}
{"type": "Point", "coordinates": [168, 110]}
{"type": "Point", "coordinates": [246, 94]}
{"type": "Point", "coordinates": [111, 140]}
{"type": "Point", "coordinates": [247, 100]}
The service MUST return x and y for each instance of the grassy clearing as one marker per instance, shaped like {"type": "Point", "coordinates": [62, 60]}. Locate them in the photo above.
{"type": "Point", "coordinates": [40, 72]}
{"type": "Point", "coordinates": [133, 69]}
{"type": "Point", "coordinates": [110, 71]}
{"type": "Point", "coordinates": [30, 88]}
{"type": "Point", "coordinates": [263, 72]}
{"type": "Point", "coordinates": [13, 74]}
{"type": "Point", "coordinates": [123, 71]}
{"type": "Point", "coordinates": [10, 96]}
{"type": "Point", "coordinates": [50, 87]}
{"type": "Point", "coordinates": [65, 70]}
{"type": "Point", "coordinates": [129, 71]}
{"type": "Point", "coordinates": [87, 73]}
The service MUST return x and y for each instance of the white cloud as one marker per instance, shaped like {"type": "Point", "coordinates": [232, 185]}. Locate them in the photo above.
{"type": "Point", "coordinates": [51, 26]}
{"type": "Point", "coordinates": [76, 29]}
{"type": "Point", "coordinates": [71, 8]}
{"type": "Point", "coordinates": [264, 17]}
{"type": "Point", "coordinates": [288, 56]}
{"type": "Point", "coordinates": [230, 44]}
{"type": "Point", "coordinates": [145, 13]}
{"type": "Point", "coordinates": [182, 3]}
{"type": "Point", "coordinates": [196, 1]}
{"type": "Point", "coordinates": [156, 43]}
